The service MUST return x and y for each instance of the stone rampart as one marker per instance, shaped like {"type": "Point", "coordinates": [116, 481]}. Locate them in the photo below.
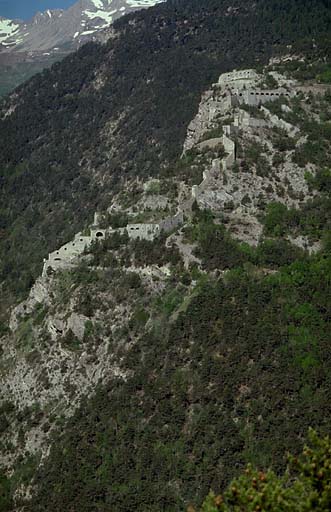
{"type": "Point", "coordinates": [281, 123]}
{"type": "Point", "coordinates": [66, 256]}
{"type": "Point", "coordinates": [242, 75]}
{"type": "Point", "coordinates": [255, 98]}
{"type": "Point", "coordinates": [244, 120]}
{"type": "Point", "coordinates": [143, 231]}
{"type": "Point", "coordinates": [230, 148]}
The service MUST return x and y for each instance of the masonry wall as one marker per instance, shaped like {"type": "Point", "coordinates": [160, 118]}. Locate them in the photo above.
{"type": "Point", "coordinates": [255, 98]}
{"type": "Point", "coordinates": [244, 119]}
{"type": "Point", "coordinates": [230, 148]}
{"type": "Point", "coordinates": [244, 74]}
{"type": "Point", "coordinates": [280, 123]}
{"type": "Point", "coordinates": [143, 231]}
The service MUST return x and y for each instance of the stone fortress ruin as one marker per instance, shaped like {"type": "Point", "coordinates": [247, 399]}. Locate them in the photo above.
{"type": "Point", "coordinates": [242, 87]}
{"type": "Point", "coordinates": [230, 92]}
{"type": "Point", "coordinates": [66, 256]}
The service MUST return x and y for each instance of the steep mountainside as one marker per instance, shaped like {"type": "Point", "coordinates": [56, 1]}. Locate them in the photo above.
{"type": "Point", "coordinates": [71, 134]}
{"type": "Point", "coordinates": [179, 324]}
{"type": "Point", "coordinates": [52, 34]}
{"type": "Point", "coordinates": [149, 360]}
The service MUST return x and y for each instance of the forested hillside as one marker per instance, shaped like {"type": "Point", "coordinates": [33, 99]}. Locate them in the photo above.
{"type": "Point", "coordinates": [108, 112]}
{"type": "Point", "coordinates": [143, 372]}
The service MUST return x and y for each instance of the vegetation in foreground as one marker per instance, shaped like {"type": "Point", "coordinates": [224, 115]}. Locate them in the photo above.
{"type": "Point", "coordinates": [305, 486]}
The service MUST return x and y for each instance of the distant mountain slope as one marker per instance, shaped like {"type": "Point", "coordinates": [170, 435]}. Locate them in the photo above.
{"type": "Point", "coordinates": [52, 29]}
{"type": "Point", "coordinates": [52, 34]}
{"type": "Point", "coordinates": [72, 133]}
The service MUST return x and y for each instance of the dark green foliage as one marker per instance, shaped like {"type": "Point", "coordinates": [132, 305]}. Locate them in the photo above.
{"type": "Point", "coordinates": [70, 341]}
{"type": "Point", "coordinates": [306, 486]}
{"type": "Point", "coordinates": [277, 253]}
{"type": "Point", "coordinates": [236, 371]}
{"type": "Point", "coordinates": [281, 140]}
{"type": "Point", "coordinates": [322, 181]}
{"type": "Point", "coordinates": [325, 76]}
{"type": "Point", "coordinates": [103, 251]}
{"type": "Point", "coordinates": [279, 219]}
{"type": "Point", "coordinates": [16, 74]}
{"type": "Point", "coordinates": [215, 247]}
{"type": "Point", "coordinates": [116, 220]}
{"type": "Point", "coordinates": [236, 378]}
{"type": "Point", "coordinates": [313, 219]}
{"type": "Point", "coordinates": [53, 149]}
{"type": "Point", "coordinates": [270, 82]}
{"type": "Point", "coordinates": [154, 253]}
{"type": "Point", "coordinates": [6, 504]}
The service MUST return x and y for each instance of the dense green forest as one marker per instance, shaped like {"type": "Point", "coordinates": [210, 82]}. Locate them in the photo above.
{"type": "Point", "coordinates": [305, 486]}
{"type": "Point", "coordinates": [122, 109]}
{"type": "Point", "coordinates": [13, 75]}
{"type": "Point", "coordinates": [227, 362]}
{"type": "Point", "coordinates": [235, 377]}
{"type": "Point", "coordinates": [232, 372]}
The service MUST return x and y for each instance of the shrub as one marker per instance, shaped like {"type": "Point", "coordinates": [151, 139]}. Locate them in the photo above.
{"type": "Point", "coordinates": [306, 485]}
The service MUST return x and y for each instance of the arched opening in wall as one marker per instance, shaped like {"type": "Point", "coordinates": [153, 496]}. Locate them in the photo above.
{"type": "Point", "coordinates": [99, 234]}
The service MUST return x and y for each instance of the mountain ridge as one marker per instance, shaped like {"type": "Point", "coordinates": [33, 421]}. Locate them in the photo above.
{"type": "Point", "coordinates": [51, 35]}
{"type": "Point", "coordinates": [139, 372]}
{"type": "Point", "coordinates": [58, 27]}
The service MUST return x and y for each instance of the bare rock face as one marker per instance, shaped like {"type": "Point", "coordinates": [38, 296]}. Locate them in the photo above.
{"type": "Point", "coordinates": [54, 356]}
{"type": "Point", "coordinates": [39, 294]}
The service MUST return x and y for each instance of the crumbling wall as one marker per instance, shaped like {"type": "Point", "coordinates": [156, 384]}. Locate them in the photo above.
{"type": "Point", "coordinates": [143, 231]}
{"type": "Point", "coordinates": [242, 75]}
{"type": "Point", "coordinates": [281, 123]}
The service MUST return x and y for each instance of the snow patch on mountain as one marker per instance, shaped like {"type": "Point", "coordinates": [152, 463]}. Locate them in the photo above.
{"type": "Point", "coordinates": [107, 16]}
{"type": "Point", "coordinates": [8, 28]}
{"type": "Point", "coordinates": [72, 27]}
{"type": "Point", "coordinates": [143, 3]}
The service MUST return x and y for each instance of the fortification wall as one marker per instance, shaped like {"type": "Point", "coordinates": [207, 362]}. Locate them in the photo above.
{"type": "Point", "coordinates": [244, 120]}
{"type": "Point", "coordinates": [230, 148]}
{"type": "Point", "coordinates": [281, 123]}
{"type": "Point", "coordinates": [143, 231]}
{"type": "Point", "coordinates": [255, 98]}
{"type": "Point", "coordinates": [65, 255]}
{"type": "Point", "coordinates": [242, 74]}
